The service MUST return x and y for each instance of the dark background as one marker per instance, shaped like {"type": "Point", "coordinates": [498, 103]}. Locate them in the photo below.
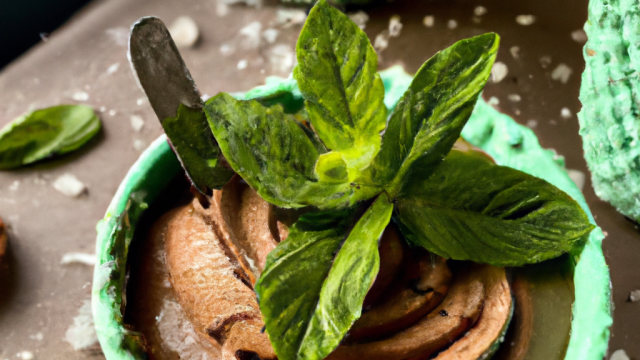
{"type": "Point", "coordinates": [22, 22]}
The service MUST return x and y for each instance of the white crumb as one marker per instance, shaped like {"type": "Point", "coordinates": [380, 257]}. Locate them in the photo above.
{"type": "Point", "coordinates": [515, 52]}
{"type": "Point", "coordinates": [112, 112]}
{"type": "Point", "coordinates": [579, 36]}
{"type": "Point", "coordinates": [120, 35]}
{"type": "Point", "coordinates": [102, 109]}
{"type": "Point", "coordinates": [452, 24]}
{"type": "Point", "coordinates": [532, 123]}
{"type": "Point", "coordinates": [37, 336]}
{"type": "Point", "coordinates": [184, 31]}
{"type": "Point", "coordinates": [288, 18]}
{"type": "Point", "coordinates": [139, 145]}
{"type": "Point", "coordinates": [113, 68]}
{"type": "Point", "coordinates": [499, 71]}
{"type": "Point", "coordinates": [634, 296]}
{"type": "Point", "coordinates": [242, 64]}
{"type": "Point", "coordinates": [178, 335]}
{"type": "Point", "coordinates": [619, 355]}
{"type": "Point", "coordinates": [222, 9]}
{"type": "Point", "coordinates": [227, 49]}
{"type": "Point", "coordinates": [429, 21]}
{"type": "Point", "coordinates": [565, 113]}
{"type": "Point", "coordinates": [25, 355]}
{"type": "Point", "coordinates": [514, 97]}
{"type": "Point", "coordinates": [14, 186]}
{"type": "Point", "coordinates": [80, 96]}
{"type": "Point", "coordinates": [578, 177]}
{"type": "Point", "coordinates": [270, 35]}
{"type": "Point", "coordinates": [69, 185]}
{"type": "Point", "coordinates": [360, 18]}
{"type": "Point", "coordinates": [395, 26]}
{"type": "Point", "coordinates": [480, 10]}
{"type": "Point", "coordinates": [525, 20]}
{"type": "Point", "coordinates": [140, 101]}
{"type": "Point", "coordinates": [78, 258]}
{"type": "Point", "coordinates": [137, 123]}
{"type": "Point", "coordinates": [251, 35]}
{"type": "Point", "coordinates": [282, 58]}
{"type": "Point", "coordinates": [381, 41]}
{"type": "Point", "coordinates": [561, 73]}
{"type": "Point", "coordinates": [493, 101]}
{"type": "Point", "coordinates": [82, 333]}
{"type": "Point", "coordinates": [476, 19]}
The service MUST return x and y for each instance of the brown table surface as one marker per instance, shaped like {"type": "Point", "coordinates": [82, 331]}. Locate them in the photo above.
{"type": "Point", "coordinates": [38, 295]}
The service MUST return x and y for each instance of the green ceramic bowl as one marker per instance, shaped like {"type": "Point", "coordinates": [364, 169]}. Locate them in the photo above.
{"type": "Point", "coordinates": [510, 144]}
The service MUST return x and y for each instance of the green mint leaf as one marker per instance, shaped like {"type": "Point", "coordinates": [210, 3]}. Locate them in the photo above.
{"type": "Point", "coordinates": [46, 133]}
{"type": "Point", "coordinates": [472, 209]}
{"type": "Point", "coordinates": [431, 114]}
{"type": "Point", "coordinates": [275, 156]}
{"type": "Point", "coordinates": [344, 94]}
{"type": "Point", "coordinates": [309, 295]}
{"type": "Point", "coordinates": [197, 149]}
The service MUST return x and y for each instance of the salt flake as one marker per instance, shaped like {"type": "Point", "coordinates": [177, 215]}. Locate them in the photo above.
{"type": "Point", "coordinates": [452, 24]}
{"type": "Point", "coordinates": [499, 71]}
{"type": "Point", "coordinates": [80, 96]}
{"type": "Point", "coordinates": [619, 354]}
{"type": "Point", "coordinates": [565, 113]}
{"type": "Point", "coordinates": [360, 18]}
{"type": "Point", "coordinates": [429, 21]}
{"type": "Point", "coordinates": [561, 73]}
{"type": "Point", "coordinates": [480, 10]}
{"type": "Point", "coordinates": [525, 20]}
{"type": "Point", "coordinates": [137, 122]}
{"type": "Point", "coordinates": [69, 185]}
{"type": "Point", "coordinates": [634, 296]}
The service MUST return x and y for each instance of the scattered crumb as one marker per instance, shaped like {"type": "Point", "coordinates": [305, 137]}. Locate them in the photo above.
{"type": "Point", "coordinates": [178, 335]}
{"type": "Point", "coordinates": [37, 336]}
{"type": "Point", "coordinates": [493, 101]}
{"type": "Point", "coordinates": [578, 177]}
{"type": "Point", "coordinates": [227, 49]}
{"type": "Point", "coordinates": [139, 102]}
{"type": "Point", "coordinates": [429, 21]}
{"type": "Point", "coordinates": [139, 145]}
{"type": "Point", "coordinates": [545, 61]}
{"type": "Point", "coordinates": [78, 258]}
{"type": "Point", "coordinates": [476, 19]}
{"type": "Point", "coordinates": [381, 41]}
{"type": "Point", "coordinates": [395, 26]}
{"type": "Point", "coordinates": [270, 35]}
{"type": "Point", "coordinates": [452, 24]}
{"type": "Point", "coordinates": [102, 109]}
{"type": "Point", "coordinates": [480, 10]}
{"type": "Point", "coordinates": [619, 355]}
{"type": "Point", "coordinates": [515, 52]}
{"type": "Point", "coordinates": [561, 73]}
{"type": "Point", "coordinates": [517, 111]}
{"type": "Point", "coordinates": [499, 71]}
{"type": "Point", "coordinates": [553, 122]}
{"type": "Point", "coordinates": [360, 18]}
{"type": "Point", "coordinates": [282, 58]}
{"type": "Point", "coordinates": [288, 18]}
{"type": "Point", "coordinates": [205, 97]}
{"type": "Point", "coordinates": [605, 233]}
{"type": "Point", "coordinates": [82, 333]}
{"type": "Point", "coordinates": [137, 123]}
{"type": "Point", "coordinates": [112, 112]}
{"type": "Point", "coordinates": [514, 97]}
{"type": "Point", "coordinates": [119, 35]}
{"type": "Point", "coordinates": [80, 96]}
{"type": "Point", "coordinates": [565, 113]}
{"type": "Point", "coordinates": [25, 355]}
{"type": "Point", "coordinates": [634, 296]}
{"type": "Point", "coordinates": [242, 64]}
{"type": "Point", "coordinates": [69, 185]}
{"type": "Point", "coordinates": [525, 20]}
{"type": "Point", "coordinates": [184, 31]}
{"type": "Point", "coordinates": [591, 52]}
{"type": "Point", "coordinates": [532, 123]}
{"type": "Point", "coordinates": [579, 36]}
{"type": "Point", "coordinates": [222, 9]}
{"type": "Point", "coordinates": [251, 35]}
{"type": "Point", "coordinates": [113, 68]}
{"type": "Point", "coordinates": [14, 186]}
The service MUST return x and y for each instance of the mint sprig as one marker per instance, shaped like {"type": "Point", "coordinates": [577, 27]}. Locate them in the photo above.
{"type": "Point", "coordinates": [330, 156]}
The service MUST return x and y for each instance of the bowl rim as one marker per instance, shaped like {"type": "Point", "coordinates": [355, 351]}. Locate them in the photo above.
{"type": "Point", "coordinates": [157, 166]}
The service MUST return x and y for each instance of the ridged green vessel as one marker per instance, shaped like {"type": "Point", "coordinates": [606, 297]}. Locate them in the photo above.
{"type": "Point", "coordinates": [510, 144]}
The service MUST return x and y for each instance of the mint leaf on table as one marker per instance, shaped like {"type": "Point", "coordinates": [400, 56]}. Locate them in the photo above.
{"type": "Point", "coordinates": [274, 155]}
{"type": "Point", "coordinates": [337, 75]}
{"type": "Point", "coordinates": [430, 115]}
{"type": "Point", "coordinates": [472, 209]}
{"type": "Point", "coordinates": [197, 149]}
{"type": "Point", "coordinates": [46, 133]}
{"type": "Point", "coordinates": [309, 295]}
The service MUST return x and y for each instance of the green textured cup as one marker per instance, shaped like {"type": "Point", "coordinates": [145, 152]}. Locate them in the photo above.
{"type": "Point", "coordinates": [507, 142]}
